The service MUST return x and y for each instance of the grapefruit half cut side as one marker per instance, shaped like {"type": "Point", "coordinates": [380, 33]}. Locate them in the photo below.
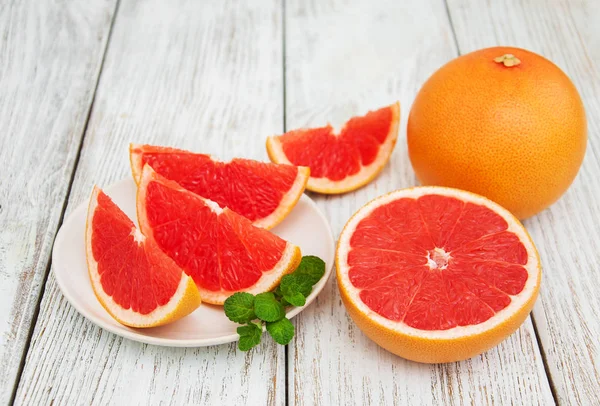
{"type": "Point", "coordinates": [221, 250]}
{"type": "Point", "coordinates": [436, 274]}
{"type": "Point", "coordinates": [137, 284]}
{"type": "Point", "coordinates": [341, 162]}
{"type": "Point", "coordinates": [263, 192]}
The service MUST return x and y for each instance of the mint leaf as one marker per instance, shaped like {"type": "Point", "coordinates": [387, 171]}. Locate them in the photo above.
{"type": "Point", "coordinates": [296, 286]}
{"type": "Point", "coordinates": [295, 299]}
{"type": "Point", "coordinates": [279, 296]}
{"type": "Point", "coordinates": [293, 284]}
{"type": "Point", "coordinates": [250, 335]}
{"type": "Point", "coordinates": [239, 307]}
{"type": "Point", "coordinates": [267, 308]}
{"type": "Point", "coordinates": [301, 281]}
{"type": "Point", "coordinates": [277, 293]}
{"type": "Point", "coordinates": [282, 331]}
{"type": "Point", "coordinates": [311, 269]}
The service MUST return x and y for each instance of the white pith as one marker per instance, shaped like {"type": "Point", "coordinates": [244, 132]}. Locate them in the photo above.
{"type": "Point", "coordinates": [214, 207]}
{"type": "Point", "coordinates": [364, 175]}
{"type": "Point", "coordinates": [288, 200]}
{"type": "Point", "coordinates": [127, 316]}
{"type": "Point", "coordinates": [137, 236]}
{"type": "Point", "coordinates": [439, 252]}
{"type": "Point", "coordinates": [517, 301]}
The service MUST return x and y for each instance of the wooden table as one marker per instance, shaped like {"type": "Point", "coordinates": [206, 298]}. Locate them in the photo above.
{"type": "Point", "coordinates": [79, 80]}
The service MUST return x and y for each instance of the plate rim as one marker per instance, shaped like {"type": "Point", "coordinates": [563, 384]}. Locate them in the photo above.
{"type": "Point", "coordinates": [131, 334]}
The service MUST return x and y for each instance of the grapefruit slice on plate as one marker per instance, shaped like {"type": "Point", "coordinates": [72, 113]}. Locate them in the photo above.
{"type": "Point", "coordinates": [264, 193]}
{"type": "Point", "coordinates": [341, 162]}
{"type": "Point", "coordinates": [221, 250]}
{"type": "Point", "coordinates": [132, 278]}
{"type": "Point", "coordinates": [436, 274]}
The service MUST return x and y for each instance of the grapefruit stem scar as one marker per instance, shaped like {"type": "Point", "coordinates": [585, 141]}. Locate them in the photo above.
{"type": "Point", "coordinates": [508, 60]}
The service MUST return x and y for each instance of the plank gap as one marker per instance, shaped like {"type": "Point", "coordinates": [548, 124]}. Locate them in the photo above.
{"type": "Point", "coordinates": [544, 359]}
{"type": "Point", "coordinates": [36, 312]}
{"type": "Point", "coordinates": [283, 56]}
{"type": "Point", "coordinates": [286, 354]}
{"type": "Point", "coordinates": [451, 23]}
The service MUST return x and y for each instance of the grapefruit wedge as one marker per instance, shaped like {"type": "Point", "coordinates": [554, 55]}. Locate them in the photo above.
{"type": "Point", "coordinates": [137, 284]}
{"type": "Point", "coordinates": [341, 162]}
{"type": "Point", "coordinates": [436, 274]}
{"type": "Point", "coordinates": [264, 193]}
{"type": "Point", "coordinates": [221, 250]}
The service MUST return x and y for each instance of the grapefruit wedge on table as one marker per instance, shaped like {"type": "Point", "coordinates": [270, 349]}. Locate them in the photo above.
{"type": "Point", "coordinates": [262, 192]}
{"type": "Point", "coordinates": [341, 162]}
{"type": "Point", "coordinates": [132, 278]}
{"type": "Point", "coordinates": [221, 250]}
{"type": "Point", "coordinates": [436, 274]}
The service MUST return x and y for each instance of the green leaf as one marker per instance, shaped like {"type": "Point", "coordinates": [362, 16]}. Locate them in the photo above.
{"type": "Point", "coordinates": [293, 284]}
{"type": "Point", "coordinates": [239, 307]}
{"type": "Point", "coordinates": [250, 335]}
{"type": "Point", "coordinates": [277, 293]}
{"type": "Point", "coordinates": [302, 280]}
{"type": "Point", "coordinates": [295, 299]}
{"type": "Point", "coordinates": [267, 308]}
{"type": "Point", "coordinates": [282, 331]}
{"type": "Point", "coordinates": [311, 268]}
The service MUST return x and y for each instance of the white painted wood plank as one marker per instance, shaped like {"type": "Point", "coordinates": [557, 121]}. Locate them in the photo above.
{"type": "Point", "coordinates": [50, 57]}
{"type": "Point", "coordinates": [567, 315]}
{"type": "Point", "coordinates": [201, 75]}
{"type": "Point", "coordinates": [344, 58]}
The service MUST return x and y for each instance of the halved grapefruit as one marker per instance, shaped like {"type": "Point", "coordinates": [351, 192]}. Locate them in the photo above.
{"type": "Point", "coordinates": [436, 274]}
{"type": "Point", "coordinates": [264, 193]}
{"type": "Point", "coordinates": [137, 284]}
{"type": "Point", "coordinates": [221, 250]}
{"type": "Point", "coordinates": [341, 162]}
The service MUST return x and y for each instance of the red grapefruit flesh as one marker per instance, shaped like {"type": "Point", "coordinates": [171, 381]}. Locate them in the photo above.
{"type": "Point", "coordinates": [132, 278]}
{"type": "Point", "coordinates": [221, 250]}
{"type": "Point", "coordinates": [436, 274]}
{"type": "Point", "coordinates": [340, 162]}
{"type": "Point", "coordinates": [264, 193]}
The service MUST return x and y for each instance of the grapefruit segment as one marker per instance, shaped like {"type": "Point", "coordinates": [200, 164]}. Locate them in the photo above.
{"type": "Point", "coordinates": [263, 192]}
{"type": "Point", "coordinates": [132, 278]}
{"type": "Point", "coordinates": [222, 251]}
{"type": "Point", "coordinates": [436, 274]}
{"type": "Point", "coordinates": [341, 162]}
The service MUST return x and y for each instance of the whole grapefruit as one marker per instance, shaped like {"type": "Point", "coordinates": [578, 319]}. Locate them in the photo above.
{"type": "Point", "coordinates": [502, 122]}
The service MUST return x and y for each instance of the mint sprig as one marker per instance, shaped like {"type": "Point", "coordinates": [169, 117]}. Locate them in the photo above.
{"type": "Point", "coordinates": [269, 308]}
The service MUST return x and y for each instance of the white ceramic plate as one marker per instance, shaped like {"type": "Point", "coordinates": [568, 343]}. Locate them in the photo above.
{"type": "Point", "coordinates": [305, 226]}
